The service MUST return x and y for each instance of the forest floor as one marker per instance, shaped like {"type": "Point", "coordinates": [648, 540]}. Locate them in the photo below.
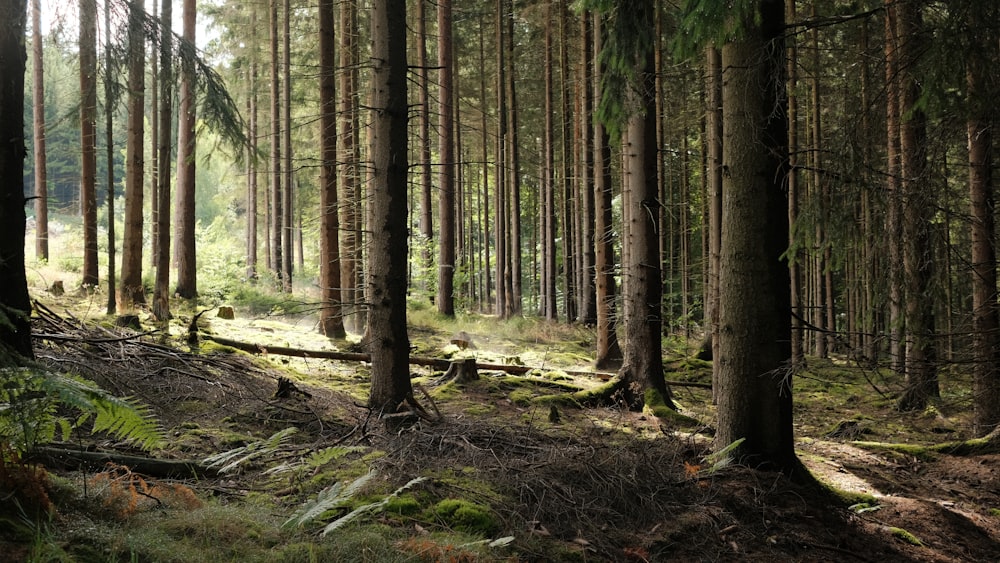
{"type": "Point", "coordinates": [512, 470]}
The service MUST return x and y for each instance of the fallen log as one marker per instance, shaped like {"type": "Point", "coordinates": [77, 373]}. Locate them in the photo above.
{"type": "Point", "coordinates": [73, 458]}
{"type": "Point", "coordinates": [436, 363]}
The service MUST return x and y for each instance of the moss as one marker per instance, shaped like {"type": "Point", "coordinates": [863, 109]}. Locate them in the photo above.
{"type": "Point", "coordinates": [403, 505]}
{"type": "Point", "coordinates": [994, 512]}
{"type": "Point", "coordinates": [465, 516]}
{"type": "Point", "coordinates": [905, 536]}
{"type": "Point", "coordinates": [521, 397]}
{"type": "Point", "coordinates": [656, 406]}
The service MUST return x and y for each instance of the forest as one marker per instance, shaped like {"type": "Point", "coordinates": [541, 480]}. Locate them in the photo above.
{"type": "Point", "coordinates": [507, 280]}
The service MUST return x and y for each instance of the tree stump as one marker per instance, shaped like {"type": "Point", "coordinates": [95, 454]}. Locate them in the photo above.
{"type": "Point", "coordinates": [226, 312]}
{"type": "Point", "coordinates": [129, 321]}
{"type": "Point", "coordinates": [461, 371]}
{"type": "Point", "coordinates": [57, 288]}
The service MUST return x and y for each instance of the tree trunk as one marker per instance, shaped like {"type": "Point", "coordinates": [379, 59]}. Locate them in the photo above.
{"type": "Point", "coordinates": [586, 184]}
{"type": "Point", "coordinates": [388, 341]}
{"type": "Point", "coordinates": [331, 316]}
{"type": "Point", "coordinates": [513, 178]}
{"type": "Point", "coordinates": [642, 370]}
{"type": "Point", "coordinates": [185, 254]}
{"type": "Point", "coordinates": [755, 401]}
{"type": "Point", "coordinates": [426, 220]}
{"type": "Point", "coordinates": [274, 259]}
{"type": "Point", "coordinates": [161, 291]}
{"type": "Point", "coordinates": [985, 312]}
{"type": "Point", "coordinates": [794, 246]}
{"type": "Point", "coordinates": [713, 130]}
{"type": "Point", "coordinates": [131, 291]}
{"type": "Point", "coordinates": [565, 169]}
{"type": "Point", "coordinates": [288, 187]}
{"type": "Point", "coordinates": [15, 334]}
{"type": "Point", "coordinates": [447, 202]}
{"type": "Point", "coordinates": [609, 351]}
{"type": "Point", "coordinates": [349, 197]}
{"type": "Point", "coordinates": [88, 139]}
{"type": "Point", "coordinates": [893, 226]}
{"type": "Point", "coordinates": [253, 205]}
{"type": "Point", "coordinates": [110, 162]}
{"type": "Point", "coordinates": [154, 149]}
{"type": "Point", "coordinates": [38, 124]}
{"type": "Point", "coordinates": [918, 208]}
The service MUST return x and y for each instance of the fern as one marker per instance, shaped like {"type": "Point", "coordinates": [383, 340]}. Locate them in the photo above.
{"type": "Point", "coordinates": [316, 459]}
{"type": "Point", "coordinates": [337, 496]}
{"type": "Point", "coordinates": [721, 459]}
{"type": "Point", "coordinates": [29, 410]}
{"type": "Point", "coordinates": [232, 459]}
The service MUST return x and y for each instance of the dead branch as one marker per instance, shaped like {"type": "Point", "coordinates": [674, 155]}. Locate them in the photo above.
{"type": "Point", "coordinates": [72, 458]}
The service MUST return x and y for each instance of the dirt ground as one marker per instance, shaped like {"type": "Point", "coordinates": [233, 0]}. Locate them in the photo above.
{"type": "Point", "coordinates": [570, 483]}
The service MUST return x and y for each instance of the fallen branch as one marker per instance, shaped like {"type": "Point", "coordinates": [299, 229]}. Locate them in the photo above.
{"type": "Point", "coordinates": [435, 363]}
{"type": "Point", "coordinates": [72, 458]}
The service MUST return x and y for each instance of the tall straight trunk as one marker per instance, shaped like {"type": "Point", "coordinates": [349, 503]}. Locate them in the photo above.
{"type": "Point", "coordinates": [713, 132]}
{"type": "Point", "coordinates": [15, 335]}
{"type": "Point", "coordinates": [131, 292]}
{"type": "Point", "coordinates": [918, 202]}
{"type": "Point", "coordinates": [548, 215]}
{"type": "Point", "coordinates": [985, 312]}
{"type": "Point", "coordinates": [387, 210]}
{"type": "Point", "coordinates": [277, 230]}
{"type": "Point", "coordinates": [588, 288]}
{"type": "Point", "coordinates": [642, 369]}
{"type": "Point", "coordinates": [38, 129]}
{"type": "Point", "coordinates": [288, 184]}
{"type": "Point", "coordinates": [88, 139]}
{"type": "Point", "coordinates": [253, 205]}
{"type": "Point", "coordinates": [795, 254]}
{"type": "Point", "coordinates": [331, 318]}
{"type": "Point", "coordinates": [869, 256]}
{"type": "Point", "coordinates": [487, 292]}
{"type": "Point", "coordinates": [893, 220]}
{"type": "Point", "coordinates": [109, 148]}
{"type": "Point", "coordinates": [502, 225]}
{"type": "Point", "coordinates": [349, 198]}
{"type": "Point", "coordinates": [161, 289]}
{"type": "Point", "coordinates": [424, 162]}
{"type": "Point", "coordinates": [609, 351]}
{"type": "Point", "coordinates": [755, 397]}
{"type": "Point", "coordinates": [821, 193]}
{"type": "Point", "coordinates": [565, 168]}
{"type": "Point", "coordinates": [154, 149]}
{"type": "Point", "coordinates": [447, 201]}
{"type": "Point", "coordinates": [513, 280]}
{"type": "Point", "coordinates": [185, 254]}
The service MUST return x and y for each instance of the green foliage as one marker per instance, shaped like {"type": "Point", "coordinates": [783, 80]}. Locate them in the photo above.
{"type": "Point", "coordinates": [465, 516]}
{"type": "Point", "coordinates": [722, 458]}
{"type": "Point", "coordinates": [905, 536]}
{"type": "Point", "coordinates": [229, 460]}
{"type": "Point", "coordinates": [30, 414]}
{"type": "Point", "coordinates": [712, 22]}
{"type": "Point", "coordinates": [338, 496]}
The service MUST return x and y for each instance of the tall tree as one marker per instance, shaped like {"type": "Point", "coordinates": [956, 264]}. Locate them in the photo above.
{"type": "Point", "coordinates": [423, 137]}
{"type": "Point", "coordinates": [88, 138]}
{"type": "Point", "coordinates": [985, 312]}
{"type": "Point", "coordinates": [446, 129]}
{"type": "Point", "coordinates": [387, 337]}
{"type": "Point", "coordinates": [161, 289]}
{"type": "Point", "coordinates": [276, 214]}
{"type": "Point", "coordinates": [548, 213]}
{"type": "Point", "coordinates": [15, 334]}
{"type": "Point", "coordinates": [184, 207]}
{"type": "Point", "coordinates": [288, 187]}
{"type": "Point", "coordinates": [713, 140]}
{"type": "Point", "coordinates": [38, 128]}
{"type": "Point", "coordinates": [349, 172]}
{"type": "Point", "coordinates": [331, 315]}
{"type": "Point", "coordinates": [755, 396]}
{"type": "Point", "coordinates": [109, 141]}
{"type": "Point", "coordinates": [918, 206]}
{"type": "Point", "coordinates": [608, 349]}
{"type": "Point", "coordinates": [253, 176]}
{"type": "Point", "coordinates": [130, 291]}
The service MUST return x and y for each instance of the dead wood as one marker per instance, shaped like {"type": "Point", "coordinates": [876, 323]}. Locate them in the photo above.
{"type": "Point", "coordinates": [436, 363]}
{"type": "Point", "coordinates": [73, 458]}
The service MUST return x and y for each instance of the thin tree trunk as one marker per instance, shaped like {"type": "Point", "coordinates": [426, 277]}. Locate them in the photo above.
{"type": "Point", "coordinates": [154, 149]}
{"type": "Point", "coordinates": [38, 96]}
{"type": "Point", "coordinates": [275, 260]}
{"type": "Point", "coordinates": [109, 148]}
{"type": "Point", "coordinates": [586, 189]}
{"type": "Point", "coordinates": [447, 201]}
{"type": "Point", "coordinates": [424, 162]}
{"type": "Point", "coordinates": [795, 254]}
{"type": "Point", "coordinates": [88, 139]}
{"type": "Point", "coordinates": [288, 187]}
{"type": "Point", "coordinates": [131, 292]}
{"type": "Point", "coordinates": [253, 205]}
{"type": "Point", "coordinates": [893, 228]}
{"type": "Point", "coordinates": [565, 167]}
{"type": "Point", "coordinates": [713, 130]}
{"type": "Point", "coordinates": [331, 315]}
{"type": "Point", "coordinates": [185, 253]}
{"type": "Point", "coordinates": [161, 289]}
{"type": "Point", "coordinates": [513, 177]}
{"type": "Point", "coordinates": [350, 250]}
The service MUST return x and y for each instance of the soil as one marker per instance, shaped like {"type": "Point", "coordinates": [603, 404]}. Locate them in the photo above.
{"type": "Point", "coordinates": [572, 483]}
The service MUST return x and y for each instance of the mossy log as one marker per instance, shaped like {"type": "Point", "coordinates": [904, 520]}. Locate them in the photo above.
{"type": "Point", "coordinates": [73, 458]}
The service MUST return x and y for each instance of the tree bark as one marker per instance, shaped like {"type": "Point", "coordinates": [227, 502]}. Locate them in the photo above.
{"type": "Point", "coordinates": [331, 315]}
{"type": "Point", "coordinates": [88, 139]}
{"type": "Point", "coordinates": [161, 291]}
{"type": "Point", "coordinates": [754, 353]}
{"type": "Point", "coordinates": [15, 335]}
{"type": "Point", "coordinates": [131, 291]}
{"type": "Point", "coordinates": [349, 171]}
{"type": "Point", "coordinates": [185, 253]}
{"type": "Point", "coordinates": [288, 184]}
{"type": "Point", "coordinates": [38, 124]}
{"type": "Point", "coordinates": [446, 127]}
{"type": "Point", "coordinates": [713, 132]}
{"type": "Point", "coordinates": [387, 217]}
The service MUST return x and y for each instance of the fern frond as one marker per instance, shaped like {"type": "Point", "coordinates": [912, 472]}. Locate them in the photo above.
{"type": "Point", "coordinates": [370, 508]}
{"type": "Point", "coordinates": [231, 459]}
{"type": "Point", "coordinates": [332, 497]}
